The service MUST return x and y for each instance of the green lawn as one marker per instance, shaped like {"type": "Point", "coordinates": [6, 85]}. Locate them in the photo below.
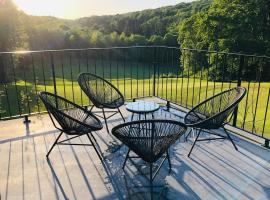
{"type": "Point", "coordinates": [186, 92]}
{"type": "Point", "coordinates": [134, 79]}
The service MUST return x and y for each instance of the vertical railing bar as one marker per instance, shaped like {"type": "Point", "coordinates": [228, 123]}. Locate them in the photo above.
{"type": "Point", "coordinates": [183, 67]}
{"type": "Point", "coordinates": [223, 73]}
{"type": "Point", "coordinates": [125, 60]}
{"type": "Point", "coordinates": [95, 65]}
{"type": "Point", "coordinates": [35, 81]}
{"type": "Point", "coordinates": [103, 64]}
{"type": "Point", "coordinates": [177, 77]}
{"type": "Point", "coordinates": [216, 68]}
{"type": "Point", "coordinates": [246, 106]}
{"type": "Point", "coordinates": [137, 71]}
{"type": "Point", "coordinates": [171, 72]}
{"type": "Point", "coordinates": [266, 112]}
{"type": "Point", "coordinates": [131, 82]}
{"type": "Point", "coordinates": [5, 87]}
{"type": "Point", "coordinates": [207, 75]}
{"type": "Point", "coordinates": [194, 78]}
{"type": "Point", "coordinates": [43, 71]}
{"type": "Point", "coordinates": [71, 76]}
{"type": "Point", "coordinates": [143, 77]}
{"type": "Point", "coordinates": [188, 79]}
{"type": "Point", "coordinates": [63, 74]}
{"type": "Point", "coordinates": [239, 81]}
{"type": "Point", "coordinates": [53, 73]}
{"type": "Point", "coordinates": [25, 86]}
{"type": "Point", "coordinates": [149, 77]}
{"type": "Point", "coordinates": [87, 69]}
{"type": "Point", "coordinates": [256, 106]}
{"type": "Point", "coordinates": [201, 71]}
{"type": "Point", "coordinates": [87, 60]}
{"type": "Point", "coordinates": [230, 83]}
{"type": "Point", "coordinates": [117, 72]}
{"type": "Point", "coordinates": [154, 67]}
{"type": "Point", "coordinates": [15, 82]}
{"type": "Point", "coordinates": [162, 76]}
{"type": "Point", "coordinates": [7, 98]}
{"type": "Point", "coordinates": [167, 71]}
{"type": "Point", "coordinates": [79, 66]}
{"type": "Point", "coordinates": [110, 67]}
{"type": "Point", "coordinates": [158, 71]}
{"type": "Point", "coordinates": [110, 64]}
{"type": "Point", "coordinates": [141, 63]}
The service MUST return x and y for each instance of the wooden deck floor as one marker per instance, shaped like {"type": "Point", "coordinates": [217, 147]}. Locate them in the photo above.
{"type": "Point", "coordinates": [214, 171]}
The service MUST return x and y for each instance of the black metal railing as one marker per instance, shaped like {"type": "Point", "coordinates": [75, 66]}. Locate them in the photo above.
{"type": "Point", "coordinates": [181, 76]}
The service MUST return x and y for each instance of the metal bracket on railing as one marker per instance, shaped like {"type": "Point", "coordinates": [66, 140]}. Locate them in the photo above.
{"type": "Point", "coordinates": [26, 119]}
{"type": "Point", "coordinates": [267, 143]}
{"type": "Point", "coordinates": [168, 105]}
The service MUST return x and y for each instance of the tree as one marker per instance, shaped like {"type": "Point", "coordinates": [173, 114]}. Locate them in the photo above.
{"type": "Point", "coordinates": [12, 32]}
{"type": "Point", "coordinates": [156, 40]}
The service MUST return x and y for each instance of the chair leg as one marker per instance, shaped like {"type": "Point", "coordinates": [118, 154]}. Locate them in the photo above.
{"type": "Point", "coordinates": [194, 142]}
{"type": "Point", "coordinates": [91, 108]}
{"type": "Point", "coordinates": [169, 161]}
{"type": "Point", "coordinates": [100, 157]}
{"type": "Point", "coordinates": [55, 142]}
{"type": "Point", "coordinates": [228, 135]}
{"type": "Point", "coordinates": [121, 114]}
{"type": "Point", "coordinates": [105, 119]}
{"type": "Point", "coordinates": [124, 164]}
{"type": "Point", "coordinates": [190, 130]}
{"type": "Point", "coordinates": [93, 137]}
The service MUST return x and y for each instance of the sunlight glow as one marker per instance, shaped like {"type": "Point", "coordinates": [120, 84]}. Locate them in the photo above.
{"type": "Point", "coordinates": [71, 9]}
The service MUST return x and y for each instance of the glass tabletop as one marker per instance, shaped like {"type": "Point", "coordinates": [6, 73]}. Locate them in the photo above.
{"type": "Point", "coordinates": [142, 107]}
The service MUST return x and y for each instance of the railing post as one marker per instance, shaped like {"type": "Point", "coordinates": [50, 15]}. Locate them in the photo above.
{"type": "Point", "coordinates": [154, 80]}
{"type": "Point", "coordinates": [154, 77]}
{"type": "Point", "coordinates": [53, 74]}
{"type": "Point", "coordinates": [239, 80]}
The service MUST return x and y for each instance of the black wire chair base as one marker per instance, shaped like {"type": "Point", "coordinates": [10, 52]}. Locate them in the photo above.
{"type": "Point", "coordinates": [103, 116]}
{"type": "Point", "coordinates": [152, 174]}
{"type": "Point", "coordinates": [219, 136]}
{"type": "Point", "coordinates": [128, 157]}
{"type": "Point", "coordinates": [64, 142]}
{"type": "Point", "coordinates": [114, 146]}
{"type": "Point", "coordinates": [135, 191]}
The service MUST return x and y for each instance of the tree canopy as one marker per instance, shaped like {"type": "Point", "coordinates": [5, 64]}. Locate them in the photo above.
{"type": "Point", "coordinates": [149, 27]}
{"type": "Point", "coordinates": [229, 25]}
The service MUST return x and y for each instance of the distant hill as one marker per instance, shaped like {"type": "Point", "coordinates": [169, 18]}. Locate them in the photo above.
{"type": "Point", "coordinates": [153, 26]}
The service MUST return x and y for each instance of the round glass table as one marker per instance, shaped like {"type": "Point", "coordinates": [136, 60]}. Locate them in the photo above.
{"type": "Point", "coordinates": [142, 108]}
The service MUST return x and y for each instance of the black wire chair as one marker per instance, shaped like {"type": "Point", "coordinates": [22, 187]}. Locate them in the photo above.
{"type": "Point", "coordinates": [102, 94]}
{"type": "Point", "coordinates": [213, 113]}
{"type": "Point", "coordinates": [70, 119]}
{"type": "Point", "coordinates": [150, 140]}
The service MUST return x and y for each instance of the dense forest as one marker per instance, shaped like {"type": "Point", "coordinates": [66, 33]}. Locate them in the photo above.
{"type": "Point", "coordinates": [222, 25]}
{"type": "Point", "coordinates": [148, 27]}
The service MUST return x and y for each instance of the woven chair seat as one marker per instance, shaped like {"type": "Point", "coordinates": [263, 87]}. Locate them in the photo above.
{"type": "Point", "coordinates": [213, 112]}
{"type": "Point", "coordinates": [72, 118]}
{"type": "Point", "coordinates": [149, 139]}
{"type": "Point", "coordinates": [101, 92]}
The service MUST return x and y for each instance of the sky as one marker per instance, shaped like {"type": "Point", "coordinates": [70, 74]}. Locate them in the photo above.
{"type": "Point", "coordinates": [72, 9]}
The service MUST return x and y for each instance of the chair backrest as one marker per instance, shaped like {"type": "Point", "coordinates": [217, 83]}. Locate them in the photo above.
{"type": "Point", "coordinates": [213, 112]}
{"type": "Point", "coordinates": [149, 139]}
{"type": "Point", "coordinates": [101, 92]}
{"type": "Point", "coordinates": [59, 108]}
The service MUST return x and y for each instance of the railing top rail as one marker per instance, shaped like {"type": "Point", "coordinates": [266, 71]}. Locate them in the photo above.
{"type": "Point", "coordinates": [227, 53]}
{"type": "Point", "coordinates": [129, 47]}
{"type": "Point", "coordinates": [85, 49]}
